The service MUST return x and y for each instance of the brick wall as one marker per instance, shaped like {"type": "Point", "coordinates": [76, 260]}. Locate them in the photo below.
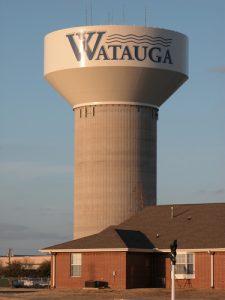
{"type": "Point", "coordinates": [219, 270]}
{"type": "Point", "coordinates": [158, 270]}
{"type": "Point", "coordinates": [138, 270]}
{"type": "Point", "coordinates": [202, 272]}
{"type": "Point", "coordinates": [95, 266]}
{"type": "Point", "coordinates": [134, 270]}
{"type": "Point", "coordinates": [145, 270]}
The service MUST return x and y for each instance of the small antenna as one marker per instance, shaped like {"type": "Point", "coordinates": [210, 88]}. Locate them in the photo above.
{"type": "Point", "coordinates": [123, 13]}
{"type": "Point", "coordinates": [91, 12]}
{"type": "Point", "coordinates": [86, 12]}
{"type": "Point", "coordinates": [145, 16]}
{"type": "Point", "coordinates": [108, 17]}
{"type": "Point", "coordinates": [112, 17]}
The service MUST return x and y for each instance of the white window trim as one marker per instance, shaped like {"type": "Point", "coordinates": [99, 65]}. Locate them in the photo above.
{"type": "Point", "coordinates": [75, 265]}
{"type": "Point", "coordinates": [186, 276]}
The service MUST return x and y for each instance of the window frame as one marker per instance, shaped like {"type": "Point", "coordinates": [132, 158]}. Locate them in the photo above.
{"type": "Point", "coordinates": [75, 261]}
{"type": "Point", "coordinates": [186, 263]}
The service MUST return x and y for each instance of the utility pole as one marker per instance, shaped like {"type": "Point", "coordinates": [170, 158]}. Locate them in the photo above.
{"type": "Point", "coordinates": [173, 248]}
{"type": "Point", "coordinates": [10, 254]}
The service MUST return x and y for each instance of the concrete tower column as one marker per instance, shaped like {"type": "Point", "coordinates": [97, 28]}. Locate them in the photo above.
{"type": "Point", "coordinates": [115, 164]}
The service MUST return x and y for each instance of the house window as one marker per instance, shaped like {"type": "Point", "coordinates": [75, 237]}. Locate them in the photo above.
{"type": "Point", "coordinates": [185, 266]}
{"type": "Point", "coordinates": [75, 264]}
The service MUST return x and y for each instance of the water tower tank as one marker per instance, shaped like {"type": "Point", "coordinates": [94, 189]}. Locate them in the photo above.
{"type": "Point", "coordinates": [115, 78]}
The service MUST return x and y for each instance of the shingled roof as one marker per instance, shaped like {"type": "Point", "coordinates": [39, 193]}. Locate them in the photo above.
{"type": "Point", "coordinates": [109, 238]}
{"type": "Point", "coordinates": [195, 226]}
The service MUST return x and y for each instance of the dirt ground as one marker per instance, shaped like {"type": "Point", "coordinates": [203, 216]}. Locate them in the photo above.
{"type": "Point", "coordinates": [134, 294]}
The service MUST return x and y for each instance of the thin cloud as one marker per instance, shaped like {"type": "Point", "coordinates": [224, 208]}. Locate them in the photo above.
{"type": "Point", "coordinates": [218, 70]}
{"type": "Point", "coordinates": [12, 227]}
{"type": "Point", "coordinates": [11, 231]}
{"type": "Point", "coordinates": [30, 170]}
{"type": "Point", "coordinates": [218, 192]}
{"type": "Point", "coordinates": [21, 232]}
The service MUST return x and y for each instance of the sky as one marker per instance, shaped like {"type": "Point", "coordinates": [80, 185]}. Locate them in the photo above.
{"type": "Point", "coordinates": [36, 124]}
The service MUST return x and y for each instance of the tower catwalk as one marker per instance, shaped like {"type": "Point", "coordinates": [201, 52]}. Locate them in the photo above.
{"type": "Point", "coordinates": [115, 78]}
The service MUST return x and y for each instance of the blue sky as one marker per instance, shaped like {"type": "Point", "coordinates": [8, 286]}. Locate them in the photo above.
{"type": "Point", "coordinates": [36, 124]}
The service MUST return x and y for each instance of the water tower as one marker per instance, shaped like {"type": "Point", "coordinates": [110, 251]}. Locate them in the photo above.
{"type": "Point", "coordinates": [115, 78]}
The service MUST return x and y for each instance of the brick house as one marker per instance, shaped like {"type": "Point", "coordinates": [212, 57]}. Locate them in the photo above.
{"type": "Point", "coordinates": [136, 253]}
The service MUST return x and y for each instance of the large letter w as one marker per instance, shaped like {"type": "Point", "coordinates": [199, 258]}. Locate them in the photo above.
{"type": "Point", "coordinates": [84, 39]}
